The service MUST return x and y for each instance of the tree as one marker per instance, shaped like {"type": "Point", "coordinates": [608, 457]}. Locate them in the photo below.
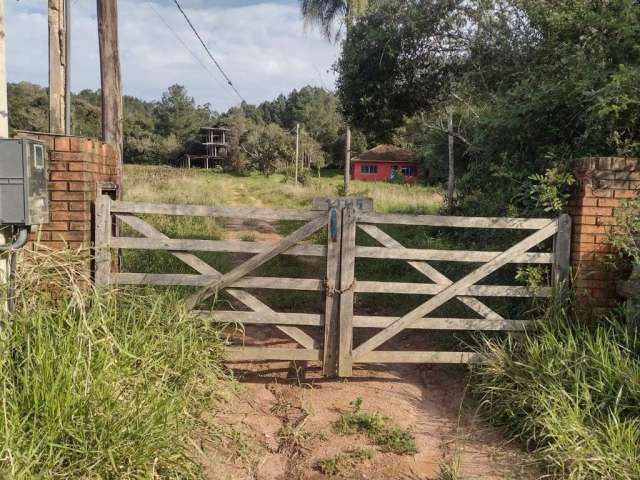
{"type": "Point", "coordinates": [176, 114]}
{"type": "Point", "coordinates": [329, 14]}
{"type": "Point", "coordinates": [547, 82]}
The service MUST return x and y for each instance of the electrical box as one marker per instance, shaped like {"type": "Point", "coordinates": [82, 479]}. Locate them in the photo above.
{"type": "Point", "coordinates": [24, 198]}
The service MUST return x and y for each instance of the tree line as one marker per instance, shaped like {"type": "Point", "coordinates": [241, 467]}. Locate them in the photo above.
{"type": "Point", "coordinates": [160, 132]}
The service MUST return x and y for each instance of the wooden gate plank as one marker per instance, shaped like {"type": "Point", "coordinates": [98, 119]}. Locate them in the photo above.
{"type": "Point", "coordinates": [255, 262]}
{"type": "Point", "coordinates": [453, 221]}
{"type": "Point", "coordinates": [317, 320]}
{"type": "Point", "coordinates": [208, 211]}
{"type": "Point", "coordinates": [332, 297]}
{"type": "Point", "coordinates": [418, 357]}
{"type": "Point", "coordinates": [263, 354]}
{"type": "Point", "coordinates": [430, 272]}
{"type": "Point", "coordinates": [455, 288]}
{"type": "Point", "coordinates": [229, 246]}
{"type": "Point", "coordinates": [347, 279]}
{"type": "Point", "coordinates": [404, 253]}
{"type": "Point", "coordinates": [204, 268]}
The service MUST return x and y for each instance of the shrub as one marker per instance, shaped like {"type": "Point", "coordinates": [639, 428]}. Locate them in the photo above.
{"type": "Point", "coordinates": [101, 385]}
{"type": "Point", "coordinates": [570, 391]}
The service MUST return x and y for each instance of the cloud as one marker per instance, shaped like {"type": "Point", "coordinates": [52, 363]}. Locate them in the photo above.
{"type": "Point", "coordinates": [262, 46]}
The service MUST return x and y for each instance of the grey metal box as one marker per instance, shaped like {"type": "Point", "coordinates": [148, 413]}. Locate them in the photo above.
{"type": "Point", "coordinates": [24, 198]}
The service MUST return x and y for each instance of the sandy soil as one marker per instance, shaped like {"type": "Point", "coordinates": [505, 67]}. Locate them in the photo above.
{"type": "Point", "coordinates": [286, 418]}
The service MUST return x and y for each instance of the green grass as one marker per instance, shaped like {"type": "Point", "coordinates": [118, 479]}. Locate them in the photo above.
{"type": "Point", "coordinates": [171, 185]}
{"type": "Point", "coordinates": [570, 391]}
{"type": "Point", "coordinates": [102, 385]}
{"type": "Point", "coordinates": [374, 425]}
{"type": "Point", "coordinates": [342, 463]}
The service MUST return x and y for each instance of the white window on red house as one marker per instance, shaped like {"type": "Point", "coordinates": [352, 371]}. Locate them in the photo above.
{"type": "Point", "coordinates": [409, 171]}
{"type": "Point", "coordinates": [369, 169]}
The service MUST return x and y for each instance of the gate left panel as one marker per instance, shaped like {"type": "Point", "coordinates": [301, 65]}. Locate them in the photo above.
{"type": "Point", "coordinates": [263, 274]}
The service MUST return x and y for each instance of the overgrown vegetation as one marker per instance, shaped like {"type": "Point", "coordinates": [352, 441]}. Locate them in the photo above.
{"type": "Point", "coordinates": [570, 390]}
{"type": "Point", "coordinates": [374, 425]}
{"type": "Point", "coordinates": [102, 384]}
{"type": "Point", "coordinates": [625, 237]}
{"type": "Point", "coordinates": [532, 84]}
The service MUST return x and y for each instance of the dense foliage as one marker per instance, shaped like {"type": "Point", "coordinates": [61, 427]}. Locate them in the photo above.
{"type": "Point", "coordinates": [571, 391]}
{"type": "Point", "coordinates": [159, 132]}
{"type": "Point", "coordinates": [533, 83]}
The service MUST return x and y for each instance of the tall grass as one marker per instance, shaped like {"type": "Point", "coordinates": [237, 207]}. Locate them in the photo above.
{"type": "Point", "coordinates": [171, 185]}
{"type": "Point", "coordinates": [570, 391]}
{"type": "Point", "coordinates": [101, 384]}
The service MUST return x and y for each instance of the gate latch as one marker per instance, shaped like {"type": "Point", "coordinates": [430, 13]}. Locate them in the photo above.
{"type": "Point", "coordinates": [333, 224]}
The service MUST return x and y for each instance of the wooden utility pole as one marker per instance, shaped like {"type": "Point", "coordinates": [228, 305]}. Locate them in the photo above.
{"type": "Point", "coordinates": [112, 115]}
{"type": "Point", "coordinates": [4, 109]}
{"type": "Point", "coordinates": [347, 161]}
{"type": "Point", "coordinates": [67, 67]}
{"type": "Point", "coordinates": [297, 150]}
{"type": "Point", "coordinates": [5, 233]}
{"type": "Point", "coordinates": [57, 66]}
{"type": "Point", "coordinates": [452, 174]}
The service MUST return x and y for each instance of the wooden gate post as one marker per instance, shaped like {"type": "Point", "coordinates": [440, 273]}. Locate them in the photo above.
{"type": "Point", "coordinates": [347, 279]}
{"type": "Point", "coordinates": [332, 292]}
{"type": "Point", "coordinates": [102, 240]}
{"type": "Point", "coordinates": [562, 250]}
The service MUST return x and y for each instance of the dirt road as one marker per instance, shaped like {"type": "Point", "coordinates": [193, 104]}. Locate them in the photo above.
{"type": "Point", "coordinates": [287, 424]}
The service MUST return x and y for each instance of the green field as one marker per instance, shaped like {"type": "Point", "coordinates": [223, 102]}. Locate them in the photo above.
{"type": "Point", "coordinates": [171, 185]}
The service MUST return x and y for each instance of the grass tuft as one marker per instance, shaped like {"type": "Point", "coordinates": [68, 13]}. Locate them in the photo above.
{"type": "Point", "coordinates": [101, 384]}
{"type": "Point", "coordinates": [342, 463]}
{"type": "Point", "coordinates": [570, 391]}
{"type": "Point", "coordinates": [373, 424]}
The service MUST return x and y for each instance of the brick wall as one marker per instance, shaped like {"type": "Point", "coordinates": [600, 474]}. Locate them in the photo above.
{"type": "Point", "coordinates": [604, 183]}
{"type": "Point", "coordinates": [78, 167]}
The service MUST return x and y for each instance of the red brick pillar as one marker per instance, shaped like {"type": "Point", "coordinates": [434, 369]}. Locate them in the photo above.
{"type": "Point", "coordinates": [604, 183]}
{"type": "Point", "coordinates": [78, 169]}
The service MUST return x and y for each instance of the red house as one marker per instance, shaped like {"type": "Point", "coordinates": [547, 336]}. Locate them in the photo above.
{"type": "Point", "coordinates": [383, 163]}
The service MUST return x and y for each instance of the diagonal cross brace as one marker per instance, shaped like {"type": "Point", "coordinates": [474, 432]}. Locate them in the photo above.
{"type": "Point", "coordinates": [452, 291]}
{"type": "Point", "coordinates": [204, 268]}
{"type": "Point", "coordinates": [430, 272]}
{"type": "Point", "coordinates": [256, 261]}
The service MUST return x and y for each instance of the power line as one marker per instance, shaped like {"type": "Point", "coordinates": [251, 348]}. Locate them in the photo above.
{"type": "Point", "coordinates": [184, 44]}
{"type": "Point", "coordinates": [208, 51]}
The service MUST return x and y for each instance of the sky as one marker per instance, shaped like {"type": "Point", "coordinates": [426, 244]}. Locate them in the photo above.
{"type": "Point", "coordinates": [263, 47]}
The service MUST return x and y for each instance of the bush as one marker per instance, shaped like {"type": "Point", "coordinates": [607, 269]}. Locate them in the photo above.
{"type": "Point", "coordinates": [101, 385]}
{"type": "Point", "coordinates": [570, 391]}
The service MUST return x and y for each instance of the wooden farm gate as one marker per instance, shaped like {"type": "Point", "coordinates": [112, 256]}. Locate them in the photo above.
{"type": "Point", "coordinates": [341, 218]}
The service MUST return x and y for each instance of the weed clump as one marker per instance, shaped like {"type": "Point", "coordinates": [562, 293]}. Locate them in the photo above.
{"type": "Point", "coordinates": [374, 425]}
{"type": "Point", "coordinates": [570, 390]}
{"type": "Point", "coordinates": [101, 384]}
{"type": "Point", "coordinates": [343, 462]}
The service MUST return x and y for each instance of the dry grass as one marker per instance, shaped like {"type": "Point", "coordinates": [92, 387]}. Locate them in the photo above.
{"type": "Point", "coordinates": [171, 185]}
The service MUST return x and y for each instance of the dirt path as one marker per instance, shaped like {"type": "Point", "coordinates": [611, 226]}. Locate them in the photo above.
{"type": "Point", "coordinates": [288, 422]}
